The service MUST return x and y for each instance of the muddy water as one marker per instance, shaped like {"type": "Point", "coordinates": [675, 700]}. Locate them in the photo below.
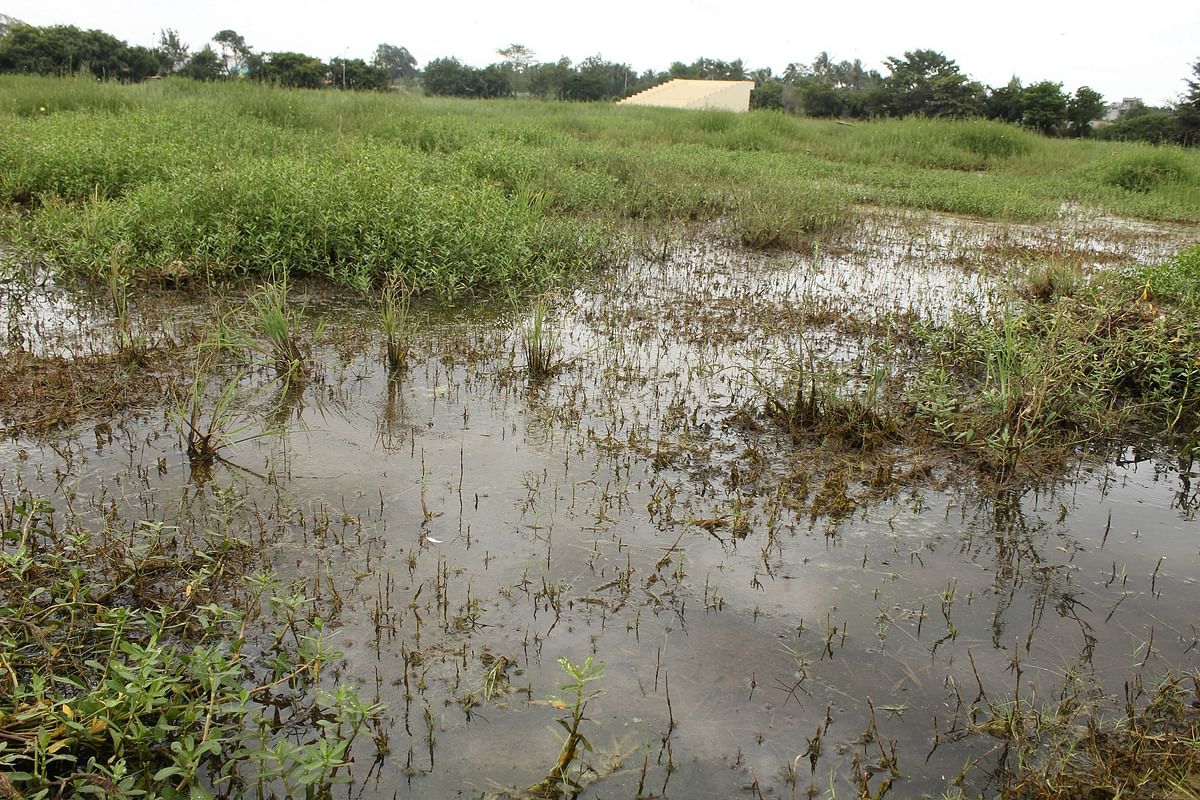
{"type": "Point", "coordinates": [456, 514]}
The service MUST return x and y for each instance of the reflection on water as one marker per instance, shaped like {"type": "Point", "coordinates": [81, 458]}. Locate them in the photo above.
{"type": "Point", "coordinates": [451, 517]}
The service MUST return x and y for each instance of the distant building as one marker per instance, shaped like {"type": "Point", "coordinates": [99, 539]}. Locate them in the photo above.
{"type": "Point", "coordinates": [1113, 111]}
{"type": "Point", "coordinates": [684, 93]}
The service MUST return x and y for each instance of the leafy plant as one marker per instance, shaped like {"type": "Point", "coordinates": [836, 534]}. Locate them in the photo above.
{"type": "Point", "coordinates": [560, 782]}
{"type": "Point", "coordinates": [129, 672]}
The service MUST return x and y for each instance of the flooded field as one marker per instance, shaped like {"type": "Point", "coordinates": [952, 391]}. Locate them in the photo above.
{"type": "Point", "coordinates": [777, 612]}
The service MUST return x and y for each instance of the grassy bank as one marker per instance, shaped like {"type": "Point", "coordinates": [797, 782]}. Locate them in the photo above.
{"type": "Point", "coordinates": [460, 197]}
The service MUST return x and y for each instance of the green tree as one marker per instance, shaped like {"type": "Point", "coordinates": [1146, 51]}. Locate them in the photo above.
{"type": "Point", "coordinates": [66, 50]}
{"type": "Point", "coordinates": [397, 61]}
{"type": "Point", "coordinates": [1187, 112]}
{"type": "Point", "coordinates": [234, 51]}
{"type": "Point", "coordinates": [547, 80]}
{"type": "Point", "coordinates": [448, 76]}
{"type": "Point", "coordinates": [819, 98]}
{"type": "Point", "coordinates": [516, 61]}
{"type": "Point", "coordinates": [354, 73]}
{"type": "Point", "coordinates": [767, 94]}
{"type": "Point", "coordinates": [1153, 125]}
{"type": "Point", "coordinates": [295, 70]}
{"type": "Point", "coordinates": [204, 65]}
{"type": "Point", "coordinates": [927, 83]}
{"type": "Point", "coordinates": [1082, 107]}
{"type": "Point", "coordinates": [1005, 103]}
{"type": "Point", "coordinates": [172, 51]}
{"type": "Point", "coordinates": [1045, 107]}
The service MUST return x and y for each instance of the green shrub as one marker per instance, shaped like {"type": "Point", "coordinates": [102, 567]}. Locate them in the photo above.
{"type": "Point", "coordinates": [1144, 170]}
{"type": "Point", "coordinates": [992, 139]}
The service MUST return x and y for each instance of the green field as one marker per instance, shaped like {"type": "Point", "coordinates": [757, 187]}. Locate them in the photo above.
{"type": "Point", "coordinates": [461, 197]}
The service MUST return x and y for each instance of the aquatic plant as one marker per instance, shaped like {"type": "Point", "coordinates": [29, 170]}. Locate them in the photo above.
{"type": "Point", "coordinates": [539, 342]}
{"type": "Point", "coordinates": [559, 781]}
{"type": "Point", "coordinates": [276, 321]}
{"type": "Point", "coordinates": [394, 316]}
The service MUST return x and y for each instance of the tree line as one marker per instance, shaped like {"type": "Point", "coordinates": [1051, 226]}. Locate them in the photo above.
{"type": "Point", "coordinates": [919, 83]}
{"type": "Point", "coordinates": [67, 50]}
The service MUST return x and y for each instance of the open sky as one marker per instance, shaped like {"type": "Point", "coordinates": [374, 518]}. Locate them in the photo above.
{"type": "Point", "coordinates": [1121, 49]}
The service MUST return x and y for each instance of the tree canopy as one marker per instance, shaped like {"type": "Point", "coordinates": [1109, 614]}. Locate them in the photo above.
{"type": "Point", "coordinates": [66, 50]}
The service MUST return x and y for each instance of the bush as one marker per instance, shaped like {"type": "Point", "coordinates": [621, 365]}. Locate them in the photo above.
{"type": "Point", "coordinates": [1144, 171]}
{"type": "Point", "coordinates": [992, 139]}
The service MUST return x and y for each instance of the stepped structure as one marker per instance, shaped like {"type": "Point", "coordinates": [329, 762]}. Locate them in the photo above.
{"type": "Point", "coordinates": [682, 93]}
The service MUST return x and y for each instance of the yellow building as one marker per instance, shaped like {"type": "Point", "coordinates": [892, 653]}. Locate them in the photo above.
{"type": "Point", "coordinates": [683, 93]}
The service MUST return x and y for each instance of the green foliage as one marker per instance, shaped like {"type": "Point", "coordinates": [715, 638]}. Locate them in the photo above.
{"type": "Point", "coordinates": [1082, 107]}
{"type": "Point", "coordinates": [294, 70]}
{"type": "Point", "coordinates": [925, 82]}
{"type": "Point", "coordinates": [450, 77]}
{"type": "Point", "coordinates": [462, 198]}
{"type": "Point", "coordinates": [1026, 384]}
{"type": "Point", "coordinates": [991, 140]}
{"type": "Point", "coordinates": [396, 61]}
{"type": "Point", "coordinates": [1154, 126]}
{"type": "Point", "coordinates": [130, 667]}
{"type": "Point", "coordinates": [539, 342]}
{"type": "Point", "coordinates": [1044, 107]}
{"type": "Point", "coordinates": [1144, 171]}
{"type": "Point", "coordinates": [1005, 103]}
{"type": "Point", "coordinates": [396, 320]}
{"type": "Point", "coordinates": [67, 50]}
{"type": "Point", "coordinates": [562, 781]}
{"type": "Point", "coordinates": [277, 321]}
{"type": "Point", "coordinates": [767, 95]}
{"type": "Point", "coordinates": [1187, 113]}
{"type": "Point", "coordinates": [354, 73]}
{"type": "Point", "coordinates": [1175, 281]}
{"type": "Point", "coordinates": [204, 65]}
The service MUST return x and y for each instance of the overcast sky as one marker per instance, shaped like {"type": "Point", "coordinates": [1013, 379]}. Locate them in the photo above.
{"type": "Point", "coordinates": [1142, 49]}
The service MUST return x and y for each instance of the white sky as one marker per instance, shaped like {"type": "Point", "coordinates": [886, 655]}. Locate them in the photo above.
{"type": "Point", "coordinates": [1122, 49]}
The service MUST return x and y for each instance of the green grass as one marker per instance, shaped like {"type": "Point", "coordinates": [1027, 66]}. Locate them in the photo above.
{"type": "Point", "coordinates": [463, 198]}
{"type": "Point", "coordinates": [1023, 386]}
{"type": "Point", "coordinates": [1176, 281]}
{"type": "Point", "coordinates": [129, 655]}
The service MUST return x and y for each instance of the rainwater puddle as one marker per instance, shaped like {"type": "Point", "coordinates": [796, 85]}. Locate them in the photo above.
{"type": "Point", "coordinates": [456, 517]}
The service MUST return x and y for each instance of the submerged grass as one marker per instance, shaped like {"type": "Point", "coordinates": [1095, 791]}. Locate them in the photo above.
{"type": "Point", "coordinates": [1079, 747]}
{"type": "Point", "coordinates": [1030, 383]}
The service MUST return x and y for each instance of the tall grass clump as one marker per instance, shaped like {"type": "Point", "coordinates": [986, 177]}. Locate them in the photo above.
{"type": "Point", "coordinates": [827, 402]}
{"type": "Point", "coordinates": [349, 220]}
{"type": "Point", "coordinates": [397, 324]}
{"type": "Point", "coordinates": [540, 343]}
{"type": "Point", "coordinates": [992, 140]}
{"type": "Point", "coordinates": [792, 219]}
{"type": "Point", "coordinates": [1076, 746]}
{"type": "Point", "coordinates": [278, 322]}
{"type": "Point", "coordinates": [1147, 169]}
{"type": "Point", "coordinates": [1023, 386]}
